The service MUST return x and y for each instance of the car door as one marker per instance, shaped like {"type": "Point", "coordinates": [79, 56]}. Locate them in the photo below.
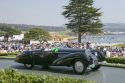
{"type": "Point", "coordinates": [37, 57]}
{"type": "Point", "coordinates": [46, 57]}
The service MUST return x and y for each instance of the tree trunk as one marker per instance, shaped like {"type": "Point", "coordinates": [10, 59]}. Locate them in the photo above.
{"type": "Point", "coordinates": [6, 38]}
{"type": "Point", "coordinates": [79, 37]}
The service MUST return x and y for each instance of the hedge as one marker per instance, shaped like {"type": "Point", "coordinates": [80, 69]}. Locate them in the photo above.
{"type": "Point", "coordinates": [120, 45]}
{"type": "Point", "coordinates": [8, 54]}
{"type": "Point", "coordinates": [120, 60]}
{"type": "Point", "coordinates": [12, 76]}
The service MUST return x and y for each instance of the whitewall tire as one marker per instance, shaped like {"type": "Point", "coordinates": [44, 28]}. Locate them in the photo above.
{"type": "Point", "coordinates": [79, 67]}
{"type": "Point", "coordinates": [29, 66]}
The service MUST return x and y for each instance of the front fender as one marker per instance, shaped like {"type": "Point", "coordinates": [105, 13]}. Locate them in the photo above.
{"type": "Point", "coordinates": [67, 60]}
{"type": "Point", "coordinates": [101, 55]}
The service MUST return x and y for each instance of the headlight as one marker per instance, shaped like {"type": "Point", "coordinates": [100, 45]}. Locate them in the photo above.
{"type": "Point", "coordinates": [96, 54]}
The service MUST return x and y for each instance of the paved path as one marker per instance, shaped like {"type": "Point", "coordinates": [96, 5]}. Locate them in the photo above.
{"type": "Point", "coordinates": [103, 75]}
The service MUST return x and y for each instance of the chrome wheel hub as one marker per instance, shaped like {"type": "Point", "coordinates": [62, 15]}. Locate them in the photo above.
{"type": "Point", "coordinates": [28, 65]}
{"type": "Point", "coordinates": [79, 66]}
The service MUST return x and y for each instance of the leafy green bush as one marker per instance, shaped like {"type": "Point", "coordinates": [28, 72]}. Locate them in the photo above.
{"type": "Point", "coordinates": [9, 54]}
{"type": "Point", "coordinates": [120, 60]}
{"type": "Point", "coordinates": [3, 54]}
{"type": "Point", "coordinates": [12, 76]}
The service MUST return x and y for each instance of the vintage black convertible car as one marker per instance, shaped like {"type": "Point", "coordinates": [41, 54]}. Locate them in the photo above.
{"type": "Point", "coordinates": [60, 57]}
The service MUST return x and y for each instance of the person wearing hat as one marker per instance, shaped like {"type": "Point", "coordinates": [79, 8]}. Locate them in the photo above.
{"type": "Point", "coordinates": [88, 52]}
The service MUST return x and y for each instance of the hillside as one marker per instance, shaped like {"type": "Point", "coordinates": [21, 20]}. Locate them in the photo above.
{"type": "Point", "coordinates": [25, 27]}
{"type": "Point", "coordinates": [114, 27]}
{"type": "Point", "coordinates": [108, 27]}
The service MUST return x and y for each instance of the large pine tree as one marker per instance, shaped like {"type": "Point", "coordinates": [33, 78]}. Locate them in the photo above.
{"type": "Point", "coordinates": [83, 17]}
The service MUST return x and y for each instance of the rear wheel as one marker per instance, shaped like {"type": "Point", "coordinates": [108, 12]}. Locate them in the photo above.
{"type": "Point", "coordinates": [28, 66]}
{"type": "Point", "coordinates": [45, 67]}
{"type": "Point", "coordinates": [79, 66]}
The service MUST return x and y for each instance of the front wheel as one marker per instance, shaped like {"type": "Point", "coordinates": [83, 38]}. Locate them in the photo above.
{"type": "Point", "coordinates": [79, 66]}
{"type": "Point", "coordinates": [28, 66]}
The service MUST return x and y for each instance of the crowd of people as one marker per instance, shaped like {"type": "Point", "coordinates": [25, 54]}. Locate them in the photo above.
{"type": "Point", "coordinates": [13, 47]}
{"type": "Point", "coordinates": [115, 51]}
{"type": "Point", "coordinates": [19, 47]}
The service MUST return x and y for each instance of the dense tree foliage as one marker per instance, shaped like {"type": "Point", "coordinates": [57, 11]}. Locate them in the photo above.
{"type": "Point", "coordinates": [2, 33]}
{"type": "Point", "coordinates": [83, 17]}
{"type": "Point", "coordinates": [37, 34]}
{"type": "Point", "coordinates": [7, 32]}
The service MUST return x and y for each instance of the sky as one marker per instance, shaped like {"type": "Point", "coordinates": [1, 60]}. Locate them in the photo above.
{"type": "Point", "coordinates": [48, 12]}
